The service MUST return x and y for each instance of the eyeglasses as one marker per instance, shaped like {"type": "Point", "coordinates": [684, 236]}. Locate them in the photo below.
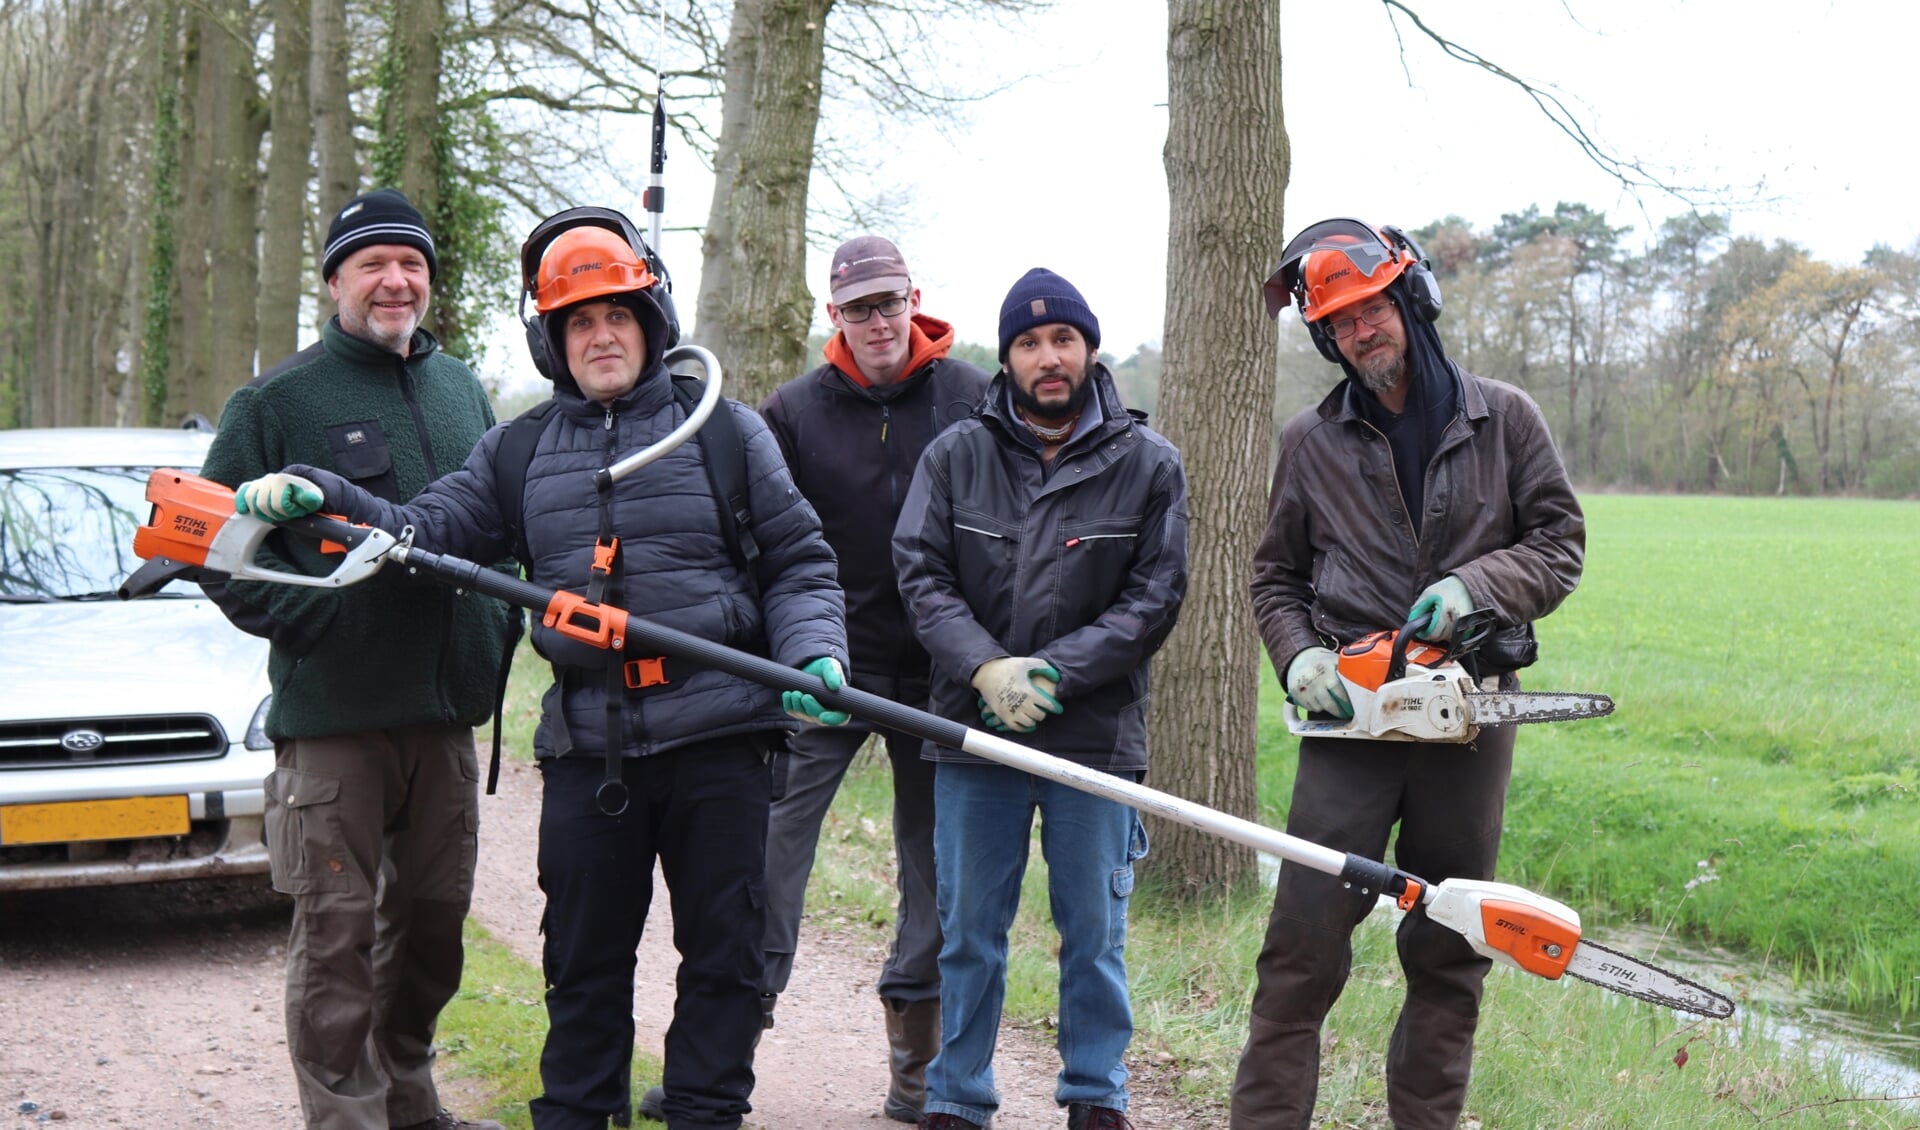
{"type": "Point", "coordinates": [861, 311]}
{"type": "Point", "coordinates": [1374, 315]}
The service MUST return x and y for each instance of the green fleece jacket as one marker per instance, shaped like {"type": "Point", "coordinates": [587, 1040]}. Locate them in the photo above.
{"type": "Point", "coordinates": [392, 650]}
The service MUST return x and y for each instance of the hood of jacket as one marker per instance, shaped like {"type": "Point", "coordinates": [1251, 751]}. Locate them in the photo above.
{"type": "Point", "coordinates": [928, 340]}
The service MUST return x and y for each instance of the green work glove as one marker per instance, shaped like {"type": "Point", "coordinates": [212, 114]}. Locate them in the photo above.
{"type": "Point", "coordinates": [277, 497]}
{"type": "Point", "coordinates": [1016, 692]}
{"type": "Point", "coordinates": [1313, 683]}
{"type": "Point", "coordinates": [1446, 600]}
{"type": "Point", "coordinates": [807, 708]}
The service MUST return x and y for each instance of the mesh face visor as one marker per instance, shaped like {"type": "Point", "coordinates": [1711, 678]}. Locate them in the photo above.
{"type": "Point", "coordinates": [1357, 241]}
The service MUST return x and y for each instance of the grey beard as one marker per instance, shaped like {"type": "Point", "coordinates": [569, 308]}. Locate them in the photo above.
{"type": "Point", "coordinates": [1382, 374]}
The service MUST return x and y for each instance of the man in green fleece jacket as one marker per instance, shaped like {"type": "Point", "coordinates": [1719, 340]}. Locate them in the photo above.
{"type": "Point", "coordinates": [372, 808]}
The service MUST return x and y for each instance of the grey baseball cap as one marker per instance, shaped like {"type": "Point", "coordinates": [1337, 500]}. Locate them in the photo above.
{"type": "Point", "coordinates": [866, 265]}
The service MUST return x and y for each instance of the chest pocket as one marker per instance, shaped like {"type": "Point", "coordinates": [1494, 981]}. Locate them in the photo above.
{"type": "Point", "coordinates": [986, 555]}
{"type": "Point", "coordinates": [360, 453]}
{"type": "Point", "coordinates": [1095, 557]}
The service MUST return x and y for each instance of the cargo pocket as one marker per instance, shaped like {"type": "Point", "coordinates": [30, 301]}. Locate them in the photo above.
{"type": "Point", "coordinates": [304, 844]}
{"type": "Point", "coordinates": [360, 453]}
{"type": "Point", "coordinates": [1122, 884]}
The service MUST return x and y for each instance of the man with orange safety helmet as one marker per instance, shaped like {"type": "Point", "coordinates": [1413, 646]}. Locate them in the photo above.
{"type": "Point", "coordinates": [646, 759]}
{"type": "Point", "coordinates": [372, 810]}
{"type": "Point", "coordinates": [1415, 491]}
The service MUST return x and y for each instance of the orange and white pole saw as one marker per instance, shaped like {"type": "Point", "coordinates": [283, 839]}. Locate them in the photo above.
{"type": "Point", "coordinates": [194, 533]}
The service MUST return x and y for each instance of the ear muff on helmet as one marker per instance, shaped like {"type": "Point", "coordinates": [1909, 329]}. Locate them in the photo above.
{"type": "Point", "coordinates": [603, 254]}
{"type": "Point", "coordinates": [1340, 262]}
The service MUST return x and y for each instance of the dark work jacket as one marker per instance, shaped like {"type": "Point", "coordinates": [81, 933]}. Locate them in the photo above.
{"type": "Point", "coordinates": [392, 650]}
{"type": "Point", "coordinates": [1084, 567]}
{"type": "Point", "coordinates": [1339, 558]}
{"type": "Point", "coordinates": [852, 449]}
{"type": "Point", "coordinates": [678, 570]}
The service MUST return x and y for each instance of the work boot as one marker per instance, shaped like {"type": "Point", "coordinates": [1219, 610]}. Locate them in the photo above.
{"type": "Point", "coordinates": [650, 1103]}
{"type": "Point", "coordinates": [447, 1120]}
{"type": "Point", "coordinates": [913, 1035]}
{"type": "Point", "coordinates": [1086, 1116]}
{"type": "Point", "coordinates": [947, 1122]}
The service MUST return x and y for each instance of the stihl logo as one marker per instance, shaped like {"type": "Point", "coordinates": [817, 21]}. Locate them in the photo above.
{"type": "Point", "coordinates": [587, 267]}
{"type": "Point", "coordinates": [1514, 926]}
{"type": "Point", "coordinates": [190, 526]}
{"type": "Point", "coordinates": [1339, 274]}
{"type": "Point", "coordinates": [1620, 971]}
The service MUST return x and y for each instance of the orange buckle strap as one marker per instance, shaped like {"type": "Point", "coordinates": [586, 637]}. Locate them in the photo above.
{"type": "Point", "coordinates": [649, 672]}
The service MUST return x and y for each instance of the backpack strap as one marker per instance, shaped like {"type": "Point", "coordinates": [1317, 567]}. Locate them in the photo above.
{"type": "Point", "coordinates": [726, 459]}
{"type": "Point", "coordinates": [510, 462]}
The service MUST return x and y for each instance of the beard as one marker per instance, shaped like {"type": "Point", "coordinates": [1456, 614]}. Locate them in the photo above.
{"type": "Point", "coordinates": [1031, 407]}
{"type": "Point", "coordinates": [1382, 370]}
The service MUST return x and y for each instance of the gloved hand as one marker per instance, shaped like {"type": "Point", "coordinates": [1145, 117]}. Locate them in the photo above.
{"type": "Point", "coordinates": [1446, 600]}
{"type": "Point", "coordinates": [277, 497]}
{"type": "Point", "coordinates": [1016, 692]}
{"type": "Point", "coordinates": [1313, 683]}
{"type": "Point", "coordinates": [807, 708]}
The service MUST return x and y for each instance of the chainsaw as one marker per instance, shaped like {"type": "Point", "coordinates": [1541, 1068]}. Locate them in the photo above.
{"type": "Point", "coordinates": [194, 533]}
{"type": "Point", "coordinates": [1405, 689]}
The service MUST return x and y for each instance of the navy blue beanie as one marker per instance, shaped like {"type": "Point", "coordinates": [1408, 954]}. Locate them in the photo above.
{"type": "Point", "coordinates": [384, 215]}
{"type": "Point", "coordinates": [1042, 298]}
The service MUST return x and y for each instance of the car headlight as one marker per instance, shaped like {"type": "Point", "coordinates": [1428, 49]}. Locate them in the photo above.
{"type": "Point", "coordinates": [257, 729]}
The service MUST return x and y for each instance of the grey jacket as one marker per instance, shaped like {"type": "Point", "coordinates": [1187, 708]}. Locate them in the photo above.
{"type": "Point", "coordinates": [1083, 565]}
{"type": "Point", "coordinates": [1339, 558]}
{"type": "Point", "coordinates": [678, 570]}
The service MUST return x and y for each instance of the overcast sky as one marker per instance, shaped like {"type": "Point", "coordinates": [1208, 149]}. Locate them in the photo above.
{"type": "Point", "coordinates": [1800, 112]}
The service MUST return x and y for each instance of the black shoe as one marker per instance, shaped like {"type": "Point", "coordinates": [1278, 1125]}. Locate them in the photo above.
{"type": "Point", "coordinates": [447, 1120]}
{"type": "Point", "coordinates": [1086, 1116]}
{"type": "Point", "coordinates": [650, 1104]}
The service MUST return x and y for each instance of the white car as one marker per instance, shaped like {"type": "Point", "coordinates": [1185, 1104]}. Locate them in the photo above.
{"type": "Point", "coordinates": [132, 746]}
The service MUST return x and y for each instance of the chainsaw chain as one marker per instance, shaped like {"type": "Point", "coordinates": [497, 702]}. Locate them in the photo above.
{"type": "Point", "coordinates": [1649, 995]}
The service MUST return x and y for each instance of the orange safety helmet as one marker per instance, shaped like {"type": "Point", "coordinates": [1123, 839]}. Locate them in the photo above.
{"type": "Point", "coordinates": [584, 263]}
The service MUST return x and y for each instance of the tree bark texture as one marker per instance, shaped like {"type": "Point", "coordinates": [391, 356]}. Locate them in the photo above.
{"type": "Point", "coordinates": [1227, 159]}
{"type": "Point", "coordinates": [711, 317]}
{"type": "Point", "coordinates": [770, 309]}
{"type": "Point", "coordinates": [337, 168]}
{"type": "Point", "coordinates": [289, 168]}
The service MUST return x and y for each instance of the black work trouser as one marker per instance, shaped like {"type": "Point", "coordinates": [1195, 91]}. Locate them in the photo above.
{"type": "Point", "coordinates": [1448, 800]}
{"type": "Point", "coordinates": [701, 810]}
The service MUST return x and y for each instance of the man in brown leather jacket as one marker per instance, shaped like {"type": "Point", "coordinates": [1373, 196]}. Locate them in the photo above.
{"type": "Point", "coordinates": [1413, 490]}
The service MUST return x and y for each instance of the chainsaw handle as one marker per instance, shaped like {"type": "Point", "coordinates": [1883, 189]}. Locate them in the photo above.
{"type": "Point", "coordinates": [1402, 640]}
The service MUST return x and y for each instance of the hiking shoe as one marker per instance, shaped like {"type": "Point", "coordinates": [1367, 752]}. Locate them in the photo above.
{"type": "Point", "coordinates": [447, 1120]}
{"type": "Point", "coordinates": [944, 1121]}
{"type": "Point", "coordinates": [1086, 1116]}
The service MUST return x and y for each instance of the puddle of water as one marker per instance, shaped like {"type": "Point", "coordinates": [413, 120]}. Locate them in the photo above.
{"type": "Point", "coordinates": [1878, 1055]}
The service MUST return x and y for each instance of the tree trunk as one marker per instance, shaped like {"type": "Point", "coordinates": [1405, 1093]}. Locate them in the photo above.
{"type": "Point", "coordinates": [711, 321]}
{"type": "Point", "coordinates": [156, 331]}
{"type": "Point", "coordinates": [236, 126]}
{"type": "Point", "coordinates": [1226, 176]}
{"type": "Point", "coordinates": [337, 168]}
{"type": "Point", "coordinates": [289, 168]}
{"type": "Point", "coordinates": [769, 308]}
{"type": "Point", "coordinates": [410, 158]}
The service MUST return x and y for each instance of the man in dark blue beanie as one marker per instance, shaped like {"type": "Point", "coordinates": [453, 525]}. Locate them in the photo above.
{"type": "Point", "coordinates": [1042, 552]}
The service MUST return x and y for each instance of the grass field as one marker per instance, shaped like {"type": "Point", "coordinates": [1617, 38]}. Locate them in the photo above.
{"type": "Point", "coordinates": [1754, 791]}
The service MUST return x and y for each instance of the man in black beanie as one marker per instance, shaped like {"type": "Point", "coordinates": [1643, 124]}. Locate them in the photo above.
{"type": "Point", "coordinates": [372, 808]}
{"type": "Point", "coordinates": [1042, 552]}
{"type": "Point", "coordinates": [1464, 507]}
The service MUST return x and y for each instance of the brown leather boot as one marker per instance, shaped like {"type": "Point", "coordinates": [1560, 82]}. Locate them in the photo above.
{"type": "Point", "coordinates": [913, 1035]}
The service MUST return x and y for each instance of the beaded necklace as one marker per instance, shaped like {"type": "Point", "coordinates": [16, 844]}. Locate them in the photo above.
{"type": "Point", "coordinates": [1050, 436]}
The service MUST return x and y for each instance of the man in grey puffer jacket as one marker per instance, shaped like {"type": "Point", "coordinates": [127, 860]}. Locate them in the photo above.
{"type": "Point", "coordinates": [696, 743]}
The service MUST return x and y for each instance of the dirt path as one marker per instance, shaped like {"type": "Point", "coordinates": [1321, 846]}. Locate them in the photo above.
{"type": "Point", "coordinates": [824, 1065]}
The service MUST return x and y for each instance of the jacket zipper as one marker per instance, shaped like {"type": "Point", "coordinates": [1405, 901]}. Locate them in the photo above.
{"type": "Point", "coordinates": [447, 612]}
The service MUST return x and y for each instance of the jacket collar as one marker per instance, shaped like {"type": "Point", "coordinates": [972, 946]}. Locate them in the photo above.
{"type": "Point", "coordinates": [1339, 405]}
{"type": "Point", "coordinates": [361, 351]}
{"type": "Point", "coordinates": [653, 393]}
{"type": "Point", "coordinates": [998, 410]}
{"type": "Point", "coordinates": [928, 340]}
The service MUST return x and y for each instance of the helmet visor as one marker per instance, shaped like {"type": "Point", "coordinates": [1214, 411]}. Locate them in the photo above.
{"type": "Point", "coordinates": [1352, 238]}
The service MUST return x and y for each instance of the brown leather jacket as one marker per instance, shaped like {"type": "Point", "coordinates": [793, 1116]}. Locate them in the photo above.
{"type": "Point", "coordinates": [1339, 558]}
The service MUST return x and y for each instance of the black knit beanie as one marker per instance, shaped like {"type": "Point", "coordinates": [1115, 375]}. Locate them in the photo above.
{"type": "Point", "coordinates": [1042, 298]}
{"type": "Point", "coordinates": [381, 216]}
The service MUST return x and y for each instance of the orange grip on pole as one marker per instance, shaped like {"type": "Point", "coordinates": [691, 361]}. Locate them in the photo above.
{"type": "Point", "coordinates": [578, 618]}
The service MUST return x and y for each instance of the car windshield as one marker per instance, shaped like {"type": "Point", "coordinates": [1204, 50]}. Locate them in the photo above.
{"type": "Point", "coordinates": [66, 533]}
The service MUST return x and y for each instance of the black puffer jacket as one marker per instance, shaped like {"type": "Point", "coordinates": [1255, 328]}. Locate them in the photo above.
{"type": "Point", "coordinates": [852, 449]}
{"type": "Point", "coordinates": [1083, 565]}
{"type": "Point", "coordinates": [678, 570]}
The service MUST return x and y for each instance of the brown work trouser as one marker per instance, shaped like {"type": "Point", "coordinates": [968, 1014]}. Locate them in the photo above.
{"type": "Point", "coordinates": [1448, 800]}
{"type": "Point", "coordinates": [374, 835]}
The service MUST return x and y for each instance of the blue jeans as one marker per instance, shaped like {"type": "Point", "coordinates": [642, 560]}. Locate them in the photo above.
{"type": "Point", "coordinates": [983, 818]}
